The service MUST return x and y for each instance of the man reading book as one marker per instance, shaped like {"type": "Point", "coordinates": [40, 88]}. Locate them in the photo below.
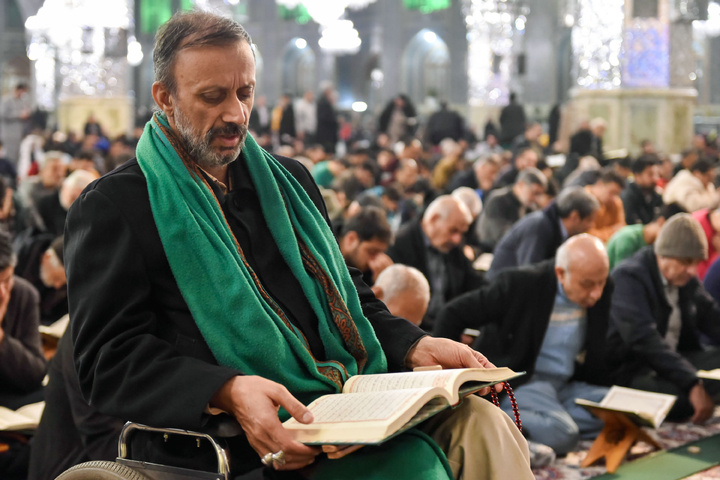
{"type": "Point", "coordinates": [659, 311]}
{"type": "Point", "coordinates": [550, 320]}
{"type": "Point", "coordinates": [204, 275]}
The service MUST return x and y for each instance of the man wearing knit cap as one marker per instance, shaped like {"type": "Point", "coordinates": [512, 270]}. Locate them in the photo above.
{"type": "Point", "coordinates": [658, 309]}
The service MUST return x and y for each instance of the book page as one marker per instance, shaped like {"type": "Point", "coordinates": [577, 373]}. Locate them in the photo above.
{"type": "Point", "coordinates": [425, 379]}
{"type": "Point", "coordinates": [400, 381]}
{"type": "Point", "coordinates": [649, 405]}
{"type": "Point", "coordinates": [11, 420]}
{"type": "Point", "coordinates": [363, 407]}
{"type": "Point", "coordinates": [32, 411]}
{"type": "Point", "coordinates": [709, 374]}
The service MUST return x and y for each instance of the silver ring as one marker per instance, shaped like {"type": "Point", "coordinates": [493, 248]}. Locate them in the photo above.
{"type": "Point", "coordinates": [267, 459]}
{"type": "Point", "coordinates": [279, 458]}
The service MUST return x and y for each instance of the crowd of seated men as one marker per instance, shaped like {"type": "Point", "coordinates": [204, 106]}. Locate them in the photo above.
{"type": "Point", "coordinates": [603, 270]}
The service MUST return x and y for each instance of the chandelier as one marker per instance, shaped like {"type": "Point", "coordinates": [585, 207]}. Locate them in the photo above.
{"type": "Point", "coordinates": [339, 35]}
{"type": "Point", "coordinates": [84, 45]}
{"type": "Point", "coordinates": [495, 38]}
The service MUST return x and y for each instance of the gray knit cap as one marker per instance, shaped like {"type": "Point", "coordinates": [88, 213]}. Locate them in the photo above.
{"type": "Point", "coordinates": [682, 237]}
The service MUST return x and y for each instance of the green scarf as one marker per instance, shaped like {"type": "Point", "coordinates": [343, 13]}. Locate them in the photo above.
{"type": "Point", "coordinates": [241, 323]}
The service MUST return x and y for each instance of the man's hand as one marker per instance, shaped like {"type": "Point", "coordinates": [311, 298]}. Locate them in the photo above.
{"type": "Point", "coordinates": [254, 401]}
{"type": "Point", "coordinates": [339, 451]}
{"type": "Point", "coordinates": [702, 403]}
{"type": "Point", "coordinates": [448, 354]}
{"type": "Point", "coordinates": [378, 264]}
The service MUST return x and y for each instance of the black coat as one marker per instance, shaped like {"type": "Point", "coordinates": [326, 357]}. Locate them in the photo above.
{"type": "Point", "coordinates": [444, 124]}
{"type": "Point", "coordinates": [513, 313]}
{"type": "Point", "coordinates": [637, 209]}
{"type": "Point", "coordinates": [639, 321]}
{"type": "Point", "coordinates": [512, 122]}
{"type": "Point", "coordinates": [501, 211]}
{"type": "Point", "coordinates": [70, 430]}
{"type": "Point", "coordinates": [139, 354]}
{"type": "Point", "coordinates": [409, 249]}
{"type": "Point", "coordinates": [327, 125]}
{"type": "Point", "coordinates": [534, 238]}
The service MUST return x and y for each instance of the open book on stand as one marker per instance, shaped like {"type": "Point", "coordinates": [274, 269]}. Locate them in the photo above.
{"type": "Point", "coordinates": [373, 408]}
{"type": "Point", "coordinates": [647, 409]}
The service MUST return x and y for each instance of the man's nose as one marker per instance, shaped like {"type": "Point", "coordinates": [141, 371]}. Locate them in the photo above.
{"type": "Point", "coordinates": [235, 112]}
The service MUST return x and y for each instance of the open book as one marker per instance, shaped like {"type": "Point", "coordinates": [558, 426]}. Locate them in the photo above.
{"type": "Point", "coordinates": [26, 417]}
{"type": "Point", "coordinates": [647, 409]}
{"type": "Point", "coordinates": [709, 374]}
{"type": "Point", "coordinates": [374, 408]}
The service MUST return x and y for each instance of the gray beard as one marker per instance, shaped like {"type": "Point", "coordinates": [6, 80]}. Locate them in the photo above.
{"type": "Point", "coordinates": [200, 148]}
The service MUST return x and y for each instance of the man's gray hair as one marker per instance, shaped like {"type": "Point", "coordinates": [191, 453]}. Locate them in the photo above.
{"type": "Point", "coordinates": [470, 198]}
{"type": "Point", "coordinates": [191, 29]}
{"type": "Point", "coordinates": [492, 159]}
{"type": "Point", "coordinates": [532, 176]}
{"type": "Point", "coordinates": [400, 279]}
{"type": "Point", "coordinates": [444, 205]}
{"type": "Point", "coordinates": [576, 199]}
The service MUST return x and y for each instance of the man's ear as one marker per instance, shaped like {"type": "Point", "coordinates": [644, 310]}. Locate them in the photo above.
{"type": "Point", "coordinates": [350, 240]}
{"type": "Point", "coordinates": [163, 99]}
{"type": "Point", "coordinates": [560, 274]}
{"type": "Point", "coordinates": [378, 291]}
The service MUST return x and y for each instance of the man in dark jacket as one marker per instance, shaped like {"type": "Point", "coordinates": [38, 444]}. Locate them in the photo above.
{"type": "Point", "coordinates": [505, 206]}
{"type": "Point", "coordinates": [549, 320]}
{"type": "Point", "coordinates": [512, 120]}
{"type": "Point", "coordinates": [433, 246]}
{"type": "Point", "coordinates": [537, 236]}
{"type": "Point", "coordinates": [444, 123]}
{"type": "Point", "coordinates": [327, 122]}
{"type": "Point", "coordinates": [658, 309]}
{"type": "Point", "coordinates": [22, 363]}
{"type": "Point", "coordinates": [642, 203]}
{"type": "Point", "coordinates": [203, 242]}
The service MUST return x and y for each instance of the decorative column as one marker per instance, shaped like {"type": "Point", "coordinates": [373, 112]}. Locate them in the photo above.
{"type": "Point", "coordinates": [635, 67]}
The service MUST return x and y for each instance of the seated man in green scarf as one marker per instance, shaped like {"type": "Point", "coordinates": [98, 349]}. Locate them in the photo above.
{"type": "Point", "coordinates": [203, 276]}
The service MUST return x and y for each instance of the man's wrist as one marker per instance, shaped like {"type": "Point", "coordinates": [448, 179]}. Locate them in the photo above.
{"type": "Point", "coordinates": [408, 356]}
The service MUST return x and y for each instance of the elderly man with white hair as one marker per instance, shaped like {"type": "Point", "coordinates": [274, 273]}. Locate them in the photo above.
{"type": "Point", "coordinates": [404, 291]}
{"type": "Point", "coordinates": [53, 208]}
{"type": "Point", "coordinates": [433, 245]}
{"type": "Point", "coordinates": [549, 320]}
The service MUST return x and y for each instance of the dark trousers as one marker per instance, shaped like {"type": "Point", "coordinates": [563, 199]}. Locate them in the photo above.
{"type": "Point", "coordinates": [683, 409]}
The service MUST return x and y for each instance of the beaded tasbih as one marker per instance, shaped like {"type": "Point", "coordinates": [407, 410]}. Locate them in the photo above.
{"type": "Point", "coordinates": [511, 395]}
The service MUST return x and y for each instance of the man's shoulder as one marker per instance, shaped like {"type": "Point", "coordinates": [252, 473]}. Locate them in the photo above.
{"type": "Point", "coordinates": [541, 273]}
{"type": "Point", "coordinates": [628, 233]}
{"type": "Point", "coordinates": [534, 220]}
{"type": "Point", "coordinates": [409, 230]}
{"type": "Point", "coordinates": [125, 176]}
{"type": "Point", "coordinates": [24, 291]}
{"type": "Point", "coordinates": [638, 265]}
{"type": "Point", "coordinates": [296, 168]}
{"type": "Point", "coordinates": [630, 191]}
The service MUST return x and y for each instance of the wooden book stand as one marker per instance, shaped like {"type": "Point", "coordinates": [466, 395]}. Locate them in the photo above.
{"type": "Point", "coordinates": [617, 436]}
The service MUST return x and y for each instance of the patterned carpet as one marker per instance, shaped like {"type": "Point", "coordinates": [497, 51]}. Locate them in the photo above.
{"type": "Point", "coordinates": [669, 435]}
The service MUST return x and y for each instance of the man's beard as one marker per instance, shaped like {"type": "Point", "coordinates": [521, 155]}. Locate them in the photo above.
{"type": "Point", "coordinates": [200, 147]}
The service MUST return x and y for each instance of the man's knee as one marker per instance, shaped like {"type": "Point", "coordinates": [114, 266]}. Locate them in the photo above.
{"type": "Point", "coordinates": [558, 431]}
